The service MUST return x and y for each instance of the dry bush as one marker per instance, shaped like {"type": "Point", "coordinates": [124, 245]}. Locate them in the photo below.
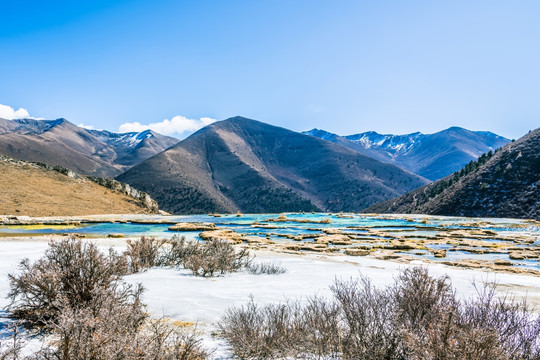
{"type": "Point", "coordinates": [68, 274]}
{"type": "Point", "coordinates": [260, 332]}
{"type": "Point", "coordinates": [178, 250]}
{"type": "Point", "coordinates": [368, 329]}
{"type": "Point", "coordinates": [76, 294]}
{"type": "Point", "coordinates": [11, 341]}
{"type": "Point", "coordinates": [266, 267]}
{"type": "Point", "coordinates": [117, 331]}
{"type": "Point", "coordinates": [112, 330]}
{"type": "Point", "coordinates": [214, 257]}
{"type": "Point", "coordinates": [143, 253]}
{"type": "Point", "coordinates": [417, 318]}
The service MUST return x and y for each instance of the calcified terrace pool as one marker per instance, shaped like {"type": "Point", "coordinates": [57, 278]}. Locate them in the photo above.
{"type": "Point", "coordinates": [499, 244]}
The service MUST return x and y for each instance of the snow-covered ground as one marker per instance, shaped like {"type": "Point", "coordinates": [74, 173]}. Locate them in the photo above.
{"type": "Point", "coordinates": [181, 296]}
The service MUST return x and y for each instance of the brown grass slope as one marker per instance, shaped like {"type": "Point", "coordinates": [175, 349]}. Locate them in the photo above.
{"type": "Point", "coordinates": [62, 143]}
{"type": "Point", "coordinates": [249, 166]}
{"type": "Point", "coordinates": [507, 184]}
{"type": "Point", "coordinates": [35, 190]}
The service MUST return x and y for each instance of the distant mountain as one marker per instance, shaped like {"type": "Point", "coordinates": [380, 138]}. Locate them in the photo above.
{"type": "Point", "coordinates": [432, 156]}
{"type": "Point", "coordinates": [90, 152]}
{"type": "Point", "coordinates": [505, 184]}
{"type": "Point", "coordinates": [249, 166]}
{"type": "Point", "coordinates": [43, 190]}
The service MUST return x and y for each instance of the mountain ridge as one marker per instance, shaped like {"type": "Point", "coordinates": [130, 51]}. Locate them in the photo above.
{"type": "Point", "coordinates": [90, 152]}
{"type": "Point", "coordinates": [501, 184]}
{"type": "Point", "coordinates": [239, 164]}
{"type": "Point", "coordinates": [432, 156]}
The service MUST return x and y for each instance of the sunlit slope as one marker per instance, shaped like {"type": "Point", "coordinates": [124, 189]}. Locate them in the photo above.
{"type": "Point", "coordinates": [29, 189]}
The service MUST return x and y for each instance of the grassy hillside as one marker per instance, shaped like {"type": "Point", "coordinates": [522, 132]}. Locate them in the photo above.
{"type": "Point", "coordinates": [38, 190]}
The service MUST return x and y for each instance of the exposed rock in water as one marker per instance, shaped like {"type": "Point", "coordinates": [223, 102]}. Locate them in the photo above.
{"type": "Point", "coordinates": [116, 235]}
{"type": "Point", "coordinates": [357, 252]}
{"type": "Point", "coordinates": [222, 234]}
{"type": "Point", "coordinates": [193, 226]}
{"type": "Point", "coordinates": [334, 239]}
{"type": "Point", "coordinates": [439, 253]}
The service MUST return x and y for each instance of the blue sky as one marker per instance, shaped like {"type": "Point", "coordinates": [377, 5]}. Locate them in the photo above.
{"type": "Point", "coordinates": [344, 66]}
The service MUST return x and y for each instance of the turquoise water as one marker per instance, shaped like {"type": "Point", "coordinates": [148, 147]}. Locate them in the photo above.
{"type": "Point", "coordinates": [374, 228]}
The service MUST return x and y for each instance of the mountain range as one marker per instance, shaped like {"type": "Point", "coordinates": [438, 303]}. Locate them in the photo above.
{"type": "Point", "coordinates": [90, 152]}
{"type": "Point", "coordinates": [432, 156]}
{"type": "Point", "coordinates": [245, 165]}
{"type": "Point", "coordinates": [505, 183]}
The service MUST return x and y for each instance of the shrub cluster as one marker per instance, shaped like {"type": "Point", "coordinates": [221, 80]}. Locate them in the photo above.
{"type": "Point", "coordinates": [214, 257]}
{"type": "Point", "coordinates": [144, 253]}
{"type": "Point", "coordinates": [419, 317]}
{"type": "Point", "coordinates": [68, 275]}
{"type": "Point", "coordinates": [75, 293]}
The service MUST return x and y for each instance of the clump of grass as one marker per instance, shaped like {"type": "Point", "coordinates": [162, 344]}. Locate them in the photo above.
{"type": "Point", "coordinates": [266, 267]}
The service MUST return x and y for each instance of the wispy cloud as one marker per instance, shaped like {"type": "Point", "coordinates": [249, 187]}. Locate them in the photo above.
{"type": "Point", "coordinates": [178, 126]}
{"type": "Point", "coordinates": [88, 127]}
{"type": "Point", "coordinates": [9, 113]}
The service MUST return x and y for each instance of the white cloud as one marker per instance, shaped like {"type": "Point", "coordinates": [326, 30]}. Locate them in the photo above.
{"type": "Point", "coordinates": [9, 113]}
{"type": "Point", "coordinates": [88, 127]}
{"type": "Point", "coordinates": [178, 126]}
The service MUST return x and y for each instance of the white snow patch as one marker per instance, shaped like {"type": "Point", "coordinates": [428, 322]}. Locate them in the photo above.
{"type": "Point", "coordinates": [177, 294]}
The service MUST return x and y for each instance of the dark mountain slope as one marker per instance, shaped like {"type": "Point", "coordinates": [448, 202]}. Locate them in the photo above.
{"type": "Point", "coordinates": [90, 152]}
{"type": "Point", "coordinates": [506, 184]}
{"type": "Point", "coordinates": [432, 156]}
{"type": "Point", "coordinates": [245, 165]}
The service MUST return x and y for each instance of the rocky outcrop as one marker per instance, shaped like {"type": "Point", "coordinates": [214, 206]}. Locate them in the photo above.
{"type": "Point", "coordinates": [142, 198]}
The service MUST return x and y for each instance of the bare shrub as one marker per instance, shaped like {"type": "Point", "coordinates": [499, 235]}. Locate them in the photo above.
{"type": "Point", "coordinates": [498, 327]}
{"type": "Point", "coordinates": [214, 257]}
{"type": "Point", "coordinates": [143, 253]}
{"type": "Point", "coordinates": [178, 250]}
{"type": "Point", "coordinates": [417, 318]}
{"type": "Point", "coordinates": [76, 294]}
{"type": "Point", "coordinates": [11, 342]}
{"type": "Point", "coordinates": [368, 329]}
{"type": "Point", "coordinates": [67, 275]}
{"type": "Point", "coordinates": [117, 331]}
{"type": "Point", "coordinates": [266, 267]}
{"type": "Point", "coordinates": [260, 332]}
